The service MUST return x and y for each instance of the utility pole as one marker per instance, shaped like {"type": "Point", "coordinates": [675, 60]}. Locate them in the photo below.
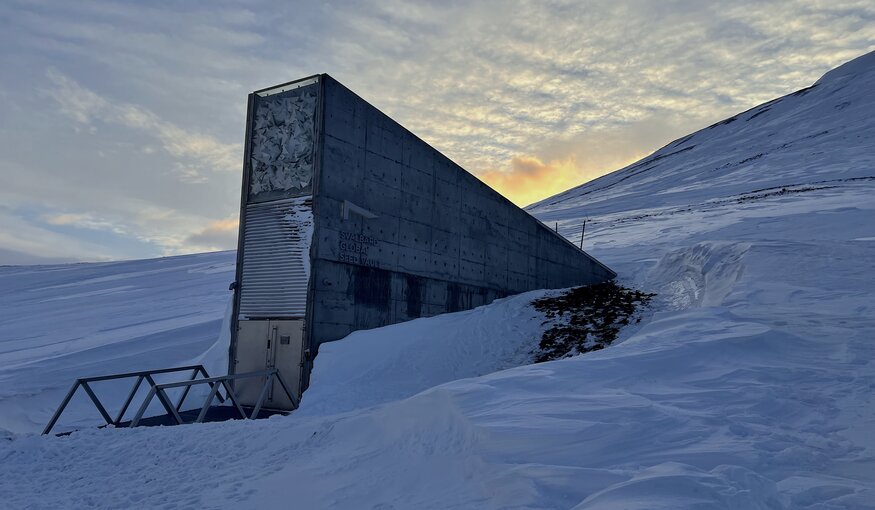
{"type": "Point", "coordinates": [582, 232]}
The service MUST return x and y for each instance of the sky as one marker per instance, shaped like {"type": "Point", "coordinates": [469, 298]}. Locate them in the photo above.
{"type": "Point", "coordinates": [122, 123]}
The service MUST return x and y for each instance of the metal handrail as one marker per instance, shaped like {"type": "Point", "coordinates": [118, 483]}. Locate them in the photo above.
{"type": "Point", "coordinates": [159, 391]}
{"type": "Point", "coordinates": [141, 375]}
{"type": "Point", "coordinates": [215, 382]}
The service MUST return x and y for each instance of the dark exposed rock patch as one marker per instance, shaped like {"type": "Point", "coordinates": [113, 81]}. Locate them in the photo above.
{"type": "Point", "coordinates": [586, 319]}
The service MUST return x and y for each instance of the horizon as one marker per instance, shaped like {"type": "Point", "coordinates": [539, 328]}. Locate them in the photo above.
{"type": "Point", "coordinates": [123, 126]}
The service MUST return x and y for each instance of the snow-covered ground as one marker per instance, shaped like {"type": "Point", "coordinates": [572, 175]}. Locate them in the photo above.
{"type": "Point", "coordinates": [61, 322]}
{"type": "Point", "coordinates": [750, 386]}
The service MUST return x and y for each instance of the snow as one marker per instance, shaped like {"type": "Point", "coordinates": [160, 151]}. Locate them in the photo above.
{"type": "Point", "coordinates": [420, 354]}
{"type": "Point", "coordinates": [299, 224]}
{"type": "Point", "coordinates": [750, 386]}
{"type": "Point", "coordinates": [61, 322]}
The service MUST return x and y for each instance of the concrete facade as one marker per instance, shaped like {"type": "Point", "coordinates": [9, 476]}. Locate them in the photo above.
{"type": "Point", "coordinates": [441, 241]}
{"type": "Point", "coordinates": [401, 232]}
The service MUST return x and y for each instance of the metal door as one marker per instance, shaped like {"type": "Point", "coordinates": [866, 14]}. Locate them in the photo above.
{"type": "Point", "coordinates": [264, 344]}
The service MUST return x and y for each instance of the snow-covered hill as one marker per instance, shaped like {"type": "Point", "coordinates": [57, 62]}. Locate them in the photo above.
{"type": "Point", "coordinates": [749, 387]}
{"type": "Point", "coordinates": [61, 322]}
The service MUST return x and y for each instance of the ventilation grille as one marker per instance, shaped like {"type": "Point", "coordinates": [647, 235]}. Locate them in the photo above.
{"type": "Point", "coordinates": [276, 259]}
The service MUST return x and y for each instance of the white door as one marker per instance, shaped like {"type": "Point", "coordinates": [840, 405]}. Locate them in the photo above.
{"type": "Point", "coordinates": [265, 344]}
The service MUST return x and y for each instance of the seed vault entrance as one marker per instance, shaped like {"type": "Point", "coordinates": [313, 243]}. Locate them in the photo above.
{"type": "Point", "coordinates": [348, 221]}
{"type": "Point", "coordinates": [267, 344]}
{"type": "Point", "coordinates": [276, 229]}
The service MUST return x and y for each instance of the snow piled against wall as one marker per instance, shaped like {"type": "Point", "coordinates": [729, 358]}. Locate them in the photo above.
{"type": "Point", "coordinates": [373, 367]}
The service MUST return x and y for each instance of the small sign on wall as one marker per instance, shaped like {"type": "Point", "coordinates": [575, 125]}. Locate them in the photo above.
{"type": "Point", "coordinates": [355, 248]}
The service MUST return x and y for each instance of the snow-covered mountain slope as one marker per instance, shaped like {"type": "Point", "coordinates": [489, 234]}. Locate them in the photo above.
{"type": "Point", "coordinates": [749, 387]}
{"type": "Point", "coordinates": [60, 322]}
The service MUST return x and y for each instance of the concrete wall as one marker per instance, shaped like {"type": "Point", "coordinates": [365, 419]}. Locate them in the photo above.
{"type": "Point", "coordinates": [442, 240]}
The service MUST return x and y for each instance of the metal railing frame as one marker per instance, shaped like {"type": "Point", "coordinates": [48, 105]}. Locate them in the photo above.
{"type": "Point", "coordinates": [214, 383]}
{"type": "Point", "coordinates": [142, 375]}
{"type": "Point", "coordinates": [159, 390]}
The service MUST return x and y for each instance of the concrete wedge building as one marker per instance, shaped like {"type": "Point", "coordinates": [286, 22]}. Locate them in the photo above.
{"type": "Point", "coordinates": [349, 221]}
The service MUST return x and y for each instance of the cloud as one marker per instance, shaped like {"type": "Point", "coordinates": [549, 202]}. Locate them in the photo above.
{"type": "Point", "coordinates": [83, 220]}
{"type": "Point", "coordinates": [199, 153]}
{"type": "Point", "coordinates": [218, 235]}
{"type": "Point", "coordinates": [530, 179]}
{"type": "Point", "coordinates": [563, 163]}
{"type": "Point", "coordinates": [493, 84]}
{"type": "Point", "coordinates": [527, 95]}
{"type": "Point", "coordinates": [458, 68]}
{"type": "Point", "coordinates": [23, 241]}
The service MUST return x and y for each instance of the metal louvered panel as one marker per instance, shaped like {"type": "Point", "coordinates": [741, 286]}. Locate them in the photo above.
{"type": "Point", "coordinates": [276, 259]}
